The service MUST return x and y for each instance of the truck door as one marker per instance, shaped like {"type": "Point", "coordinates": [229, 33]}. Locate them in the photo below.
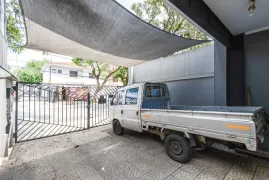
{"type": "Point", "coordinates": [116, 108]}
{"type": "Point", "coordinates": [131, 109]}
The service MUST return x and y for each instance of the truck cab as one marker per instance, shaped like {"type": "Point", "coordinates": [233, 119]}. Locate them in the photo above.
{"type": "Point", "coordinates": [127, 103]}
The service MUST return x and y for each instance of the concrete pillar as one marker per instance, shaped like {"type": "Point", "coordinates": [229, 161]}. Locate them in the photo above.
{"type": "Point", "coordinates": [220, 74]}
{"type": "Point", "coordinates": [3, 118]}
{"type": "Point", "coordinates": [2, 16]}
{"type": "Point", "coordinates": [130, 75]}
{"type": "Point", "coordinates": [236, 73]}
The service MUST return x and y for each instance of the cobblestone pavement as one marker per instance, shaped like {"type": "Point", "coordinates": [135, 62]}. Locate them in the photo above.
{"type": "Point", "coordinates": [99, 154]}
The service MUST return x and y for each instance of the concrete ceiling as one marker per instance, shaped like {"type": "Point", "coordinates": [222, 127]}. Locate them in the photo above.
{"type": "Point", "coordinates": [101, 30]}
{"type": "Point", "coordinates": [234, 14]}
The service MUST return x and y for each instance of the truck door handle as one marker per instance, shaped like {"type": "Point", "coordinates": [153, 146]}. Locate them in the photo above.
{"type": "Point", "coordinates": [121, 111]}
{"type": "Point", "coordinates": [137, 113]}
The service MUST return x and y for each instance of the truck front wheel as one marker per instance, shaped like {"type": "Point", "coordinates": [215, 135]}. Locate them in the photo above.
{"type": "Point", "coordinates": [118, 130]}
{"type": "Point", "coordinates": [178, 148]}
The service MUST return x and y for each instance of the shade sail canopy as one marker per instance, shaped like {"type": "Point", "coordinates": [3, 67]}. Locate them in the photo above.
{"type": "Point", "coordinates": [101, 30]}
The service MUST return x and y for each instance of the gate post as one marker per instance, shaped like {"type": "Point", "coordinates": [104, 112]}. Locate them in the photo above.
{"type": "Point", "coordinates": [16, 113]}
{"type": "Point", "coordinates": [88, 108]}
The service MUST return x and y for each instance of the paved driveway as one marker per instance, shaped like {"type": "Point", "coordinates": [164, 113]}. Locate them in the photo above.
{"type": "Point", "coordinates": [99, 154]}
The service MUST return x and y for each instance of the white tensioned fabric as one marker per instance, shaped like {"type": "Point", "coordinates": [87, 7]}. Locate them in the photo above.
{"type": "Point", "coordinates": [101, 30]}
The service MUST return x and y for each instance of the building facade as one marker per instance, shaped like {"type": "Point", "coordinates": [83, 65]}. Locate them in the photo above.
{"type": "Point", "coordinates": [69, 73]}
{"type": "Point", "coordinates": [6, 79]}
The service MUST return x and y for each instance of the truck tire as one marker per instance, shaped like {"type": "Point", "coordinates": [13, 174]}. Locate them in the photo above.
{"type": "Point", "coordinates": [118, 130]}
{"type": "Point", "coordinates": [178, 148]}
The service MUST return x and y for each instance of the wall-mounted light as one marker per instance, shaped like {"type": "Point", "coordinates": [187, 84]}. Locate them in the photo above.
{"type": "Point", "coordinates": [251, 8]}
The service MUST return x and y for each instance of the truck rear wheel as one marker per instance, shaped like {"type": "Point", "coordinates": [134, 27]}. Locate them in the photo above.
{"type": "Point", "coordinates": [117, 128]}
{"type": "Point", "coordinates": [178, 148]}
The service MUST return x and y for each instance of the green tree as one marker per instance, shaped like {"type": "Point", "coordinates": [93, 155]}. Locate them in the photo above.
{"type": "Point", "coordinates": [100, 71]}
{"type": "Point", "coordinates": [157, 13]}
{"type": "Point", "coordinates": [32, 71]}
{"type": "Point", "coordinates": [14, 26]}
{"type": "Point", "coordinates": [122, 74]}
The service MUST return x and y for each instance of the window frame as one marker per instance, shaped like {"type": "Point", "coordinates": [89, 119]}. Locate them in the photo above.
{"type": "Point", "coordinates": [115, 79]}
{"type": "Point", "coordinates": [117, 97]}
{"type": "Point", "coordinates": [122, 93]}
{"type": "Point", "coordinates": [54, 70]}
{"type": "Point", "coordinates": [91, 75]}
{"type": "Point", "coordinates": [136, 97]}
{"type": "Point", "coordinates": [161, 87]}
{"type": "Point", "coordinates": [72, 75]}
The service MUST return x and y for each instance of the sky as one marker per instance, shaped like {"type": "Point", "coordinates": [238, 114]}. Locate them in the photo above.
{"type": "Point", "coordinates": [15, 61]}
{"type": "Point", "coordinates": [19, 60]}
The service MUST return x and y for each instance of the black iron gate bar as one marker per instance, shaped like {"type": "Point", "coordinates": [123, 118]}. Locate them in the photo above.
{"type": "Point", "coordinates": [44, 110]}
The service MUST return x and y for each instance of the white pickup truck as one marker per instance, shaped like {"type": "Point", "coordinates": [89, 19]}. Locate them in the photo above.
{"type": "Point", "coordinates": [146, 107]}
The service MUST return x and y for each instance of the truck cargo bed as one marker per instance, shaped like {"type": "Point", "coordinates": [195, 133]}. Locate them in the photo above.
{"type": "Point", "coordinates": [227, 123]}
{"type": "Point", "coordinates": [234, 109]}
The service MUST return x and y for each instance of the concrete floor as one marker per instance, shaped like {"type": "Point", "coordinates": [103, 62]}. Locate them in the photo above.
{"type": "Point", "coordinates": [99, 154]}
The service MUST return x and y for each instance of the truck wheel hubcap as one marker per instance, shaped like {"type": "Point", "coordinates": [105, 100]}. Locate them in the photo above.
{"type": "Point", "coordinates": [117, 126]}
{"type": "Point", "coordinates": [176, 147]}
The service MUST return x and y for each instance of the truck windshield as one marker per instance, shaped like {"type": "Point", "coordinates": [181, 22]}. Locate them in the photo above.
{"type": "Point", "coordinates": [155, 91]}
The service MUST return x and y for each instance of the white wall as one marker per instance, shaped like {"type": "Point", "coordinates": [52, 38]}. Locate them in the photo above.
{"type": "Point", "coordinates": [3, 118]}
{"type": "Point", "coordinates": [3, 82]}
{"type": "Point", "coordinates": [3, 44]}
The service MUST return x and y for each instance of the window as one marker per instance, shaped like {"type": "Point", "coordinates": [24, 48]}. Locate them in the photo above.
{"type": "Point", "coordinates": [59, 71]}
{"type": "Point", "coordinates": [115, 79]}
{"type": "Point", "coordinates": [131, 96]}
{"type": "Point", "coordinates": [91, 75]}
{"type": "Point", "coordinates": [54, 70]}
{"type": "Point", "coordinates": [155, 91]}
{"type": "Point", "coordinates": [118, 98]}
{"type": "Point", "coordinates": [73, 74]}
{"type": "Point", "coordinates": [115, 99]}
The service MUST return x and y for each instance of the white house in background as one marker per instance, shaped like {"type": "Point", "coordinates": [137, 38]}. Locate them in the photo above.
{"type": "Point", "coordinates": [6, 78]}
{"type": "Point", "coordinates": [69, 73]}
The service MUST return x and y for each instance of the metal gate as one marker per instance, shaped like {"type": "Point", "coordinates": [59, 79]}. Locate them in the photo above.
{"type": "Point", "coordinates": [44, 110]}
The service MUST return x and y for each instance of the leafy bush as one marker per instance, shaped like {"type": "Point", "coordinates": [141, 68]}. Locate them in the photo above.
{"type": "Point", "coordinates": [32, 72]}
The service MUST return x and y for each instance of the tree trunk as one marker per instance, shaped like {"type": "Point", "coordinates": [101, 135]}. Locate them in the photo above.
{"type": "Point", "coordinates": [98, 89]}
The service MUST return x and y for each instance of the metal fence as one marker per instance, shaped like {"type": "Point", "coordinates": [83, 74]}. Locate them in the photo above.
{"type": "Point", "coordinates": [44, 110]}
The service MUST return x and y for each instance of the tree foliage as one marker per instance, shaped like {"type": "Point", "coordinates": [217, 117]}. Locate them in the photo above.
{"type": "Point", "coordinates": [100, 71]}
{"type": "Point", "coordinates": [157, 13]}
{"type": "Point", "coordinates": [122, 74]}
{"type": "Point", "coordinates": [14, 26]}
{"type": "Point", "coordinates": [32, 71]}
